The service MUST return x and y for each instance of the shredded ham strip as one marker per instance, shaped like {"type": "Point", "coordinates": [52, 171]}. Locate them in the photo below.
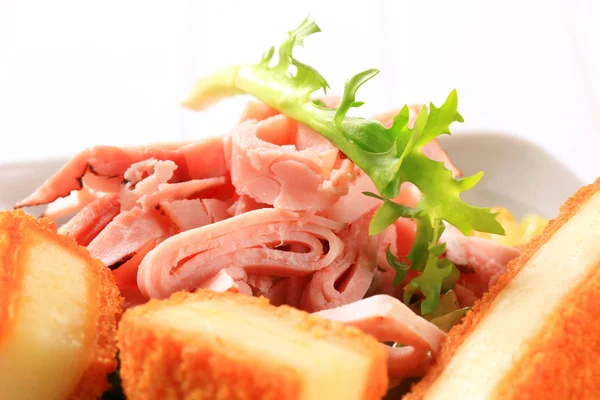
{"type": "Point", "coordinates": [389, 320]}
{"type": "Point", "coordinates": [103, 167]}
{"type": "Point", "coordinates": [276, 162]}
{"type": "Point", "coordinates": [254, 241]}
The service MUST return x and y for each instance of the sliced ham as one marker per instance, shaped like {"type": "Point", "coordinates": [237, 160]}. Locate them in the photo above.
{"type": "Point", "coordinates": [144, 178]}
{"type": "Point", "coordinates": [228, 280]}
{"type": "Point", "coordinates": [355, 204]}
{"type": "Point", "coordinates": [126, 276]}
{"type": "Point", "coordinates": [216, 209]}
{"type": "Point", "coordinates": [271, 165]}
{"type": "Point", "coordinates": [133, 229]}
{"type": "Point", "coordinates": [203, 159]}
{"type": "Point", "coordinates": [481, 260]}
{"type": "Point", "coordinates": [195, 188]}
{"type": "Point", "coordinates": [256, 241]}
{"type": "Point", "coordinates": [349, 277]}
{"type": "Point", "coordinates": [296, 285]}
{"type": "Point", "coordinates": [71, 204]}
{"type": "Point", "coordinates": [192, 213]}
{"type": "Point", "coordinates": [407, 362]}
{"type": "Point", "coordinates": [260, 283]}
{"type": "Point", "coordinates": [389, 320]}
{"type": "Point", "coordinates": [465, 296]}
{"type": "Point", "coordinates": [288, 291]}
{"type": "Point", "coordinates": [125, 235]}
{"type": "Point", "coordinates": [243, 204]}
{"type": "Point", "coordinates": [257, 111]}
{"type": "Point", "coordinates": [92, 219]}
{"type": "Point", "coordinates": [102, 168]}
{"type": "Point", "coordinates": [436, 152]}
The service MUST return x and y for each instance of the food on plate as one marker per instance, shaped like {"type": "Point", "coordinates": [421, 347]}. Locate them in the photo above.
{"type": "Point", "coordinates": [518, 233]}
{"type": "Point", "coordinates": [534, 334]}
{"type": "Point", "coordinates": [389, 320]}
{"type": "Point", "coordinates": [356, 220]}
{"type": "Point", "coordinates": [58, 312]}
{"type": "Point", "coordinates": [209, 345]}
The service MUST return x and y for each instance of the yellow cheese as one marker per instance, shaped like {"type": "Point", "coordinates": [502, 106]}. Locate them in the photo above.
{"type": "Point", "coordinates": [518, 312]}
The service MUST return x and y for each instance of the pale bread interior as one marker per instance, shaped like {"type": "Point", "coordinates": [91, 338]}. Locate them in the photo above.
{"type": "Point", "coordinates": [519, 312]}
{"type": "Point", "coordinates": [329, 370]}
{"type": "Point", "coordinates": [45, 354]}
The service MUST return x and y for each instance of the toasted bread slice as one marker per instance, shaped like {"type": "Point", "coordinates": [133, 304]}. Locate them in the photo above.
{"type": "Point", "coordinates": [58, 314]}
{"type": "Point", "coordinates": [209, 345]}
{"type": "Point", "coordinates": [535, 335]}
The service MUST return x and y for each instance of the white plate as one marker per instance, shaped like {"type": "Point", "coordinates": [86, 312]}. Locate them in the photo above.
{"type": "Point", "coordinates": [519, 175]}
{"type": "Point", "coordinates": [18, 180]}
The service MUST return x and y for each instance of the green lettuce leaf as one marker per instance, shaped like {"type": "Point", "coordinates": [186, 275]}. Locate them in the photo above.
{"type": "Point", "coordinates": [448, 312]}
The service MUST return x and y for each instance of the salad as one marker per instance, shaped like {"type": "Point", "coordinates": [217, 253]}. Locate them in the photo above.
{"type": "Point", "coordinates": [353, 220]}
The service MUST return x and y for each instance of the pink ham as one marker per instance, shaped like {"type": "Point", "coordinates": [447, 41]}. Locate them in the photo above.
{"type": "Point", "coordinates": [92, 219]}
{"type": "Point", "coordinates": [71, 204]}
{"type": "Point", "coordinates": [276, 163]}
{"type": "Point", "coordinates": [125, 235]}
{"type": "Point", "coordinates": [288, 291]}
{"type": "Point", "coordinates": [258, 241]}
{"type": "Point", "coordinates": [244, 204]}
{"type": "Point", "coordinates": [407, 362]}
{"type": "Point", "coordinates": [257, 111]}
{"type": "Point", "coordinates": [195, 188]}
{"type": "Point", "coordinates": [481, 260]}
{"type": "Point", "coordinates": [126, 276]}
{"type": "Point", "coordinates": [136, 232]}
{"type": "Point", "coordinates": [355, 204]}
{"type": "Point", "coordinates": [192, 213]}
{"type": "Point", "coordinates": [216, 209]}
{"type": "Point", "coordinates": [389, 320]}
{"type": "Point", "coordinates": [143, 178]}
{"type": "Point", "coordinates": [102, 168]}
{"type": "Point", "coordinates": [465, 297]}
{"type": "Point", "coordinates": [260, 283]}
{"type": "Point", "coordinates": [133, 229]}
{"type": "Point", "coordinates": [349, 277]}
{"type": "Point", "coordinates": [228, 280]}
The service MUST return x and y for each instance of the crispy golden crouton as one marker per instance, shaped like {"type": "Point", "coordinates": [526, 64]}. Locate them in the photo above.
{"type": "Point", "coordinates": [58, 312]}
{"type": "Point", "coordinates": [535, 335]}
{"type": "Point", "coordinates": [210, 345]}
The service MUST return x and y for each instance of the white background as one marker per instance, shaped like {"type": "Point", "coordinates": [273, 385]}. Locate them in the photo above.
{"type": "Point", "coordinates": [78, 73]}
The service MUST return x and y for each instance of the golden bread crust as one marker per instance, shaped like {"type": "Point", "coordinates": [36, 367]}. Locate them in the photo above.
{"type": "Point", "coordinates": [10, 275]}
{"type": "Point", "coordinates": [103, 359]}
{"type": "Point", "coordinates": [162, 363]}
{"type": "Point", "coordinates": [459, 333]}
{"type": "Point", "coordinates": [104, 293]}
{"type": "Point", "coordinates": [563, 361]}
